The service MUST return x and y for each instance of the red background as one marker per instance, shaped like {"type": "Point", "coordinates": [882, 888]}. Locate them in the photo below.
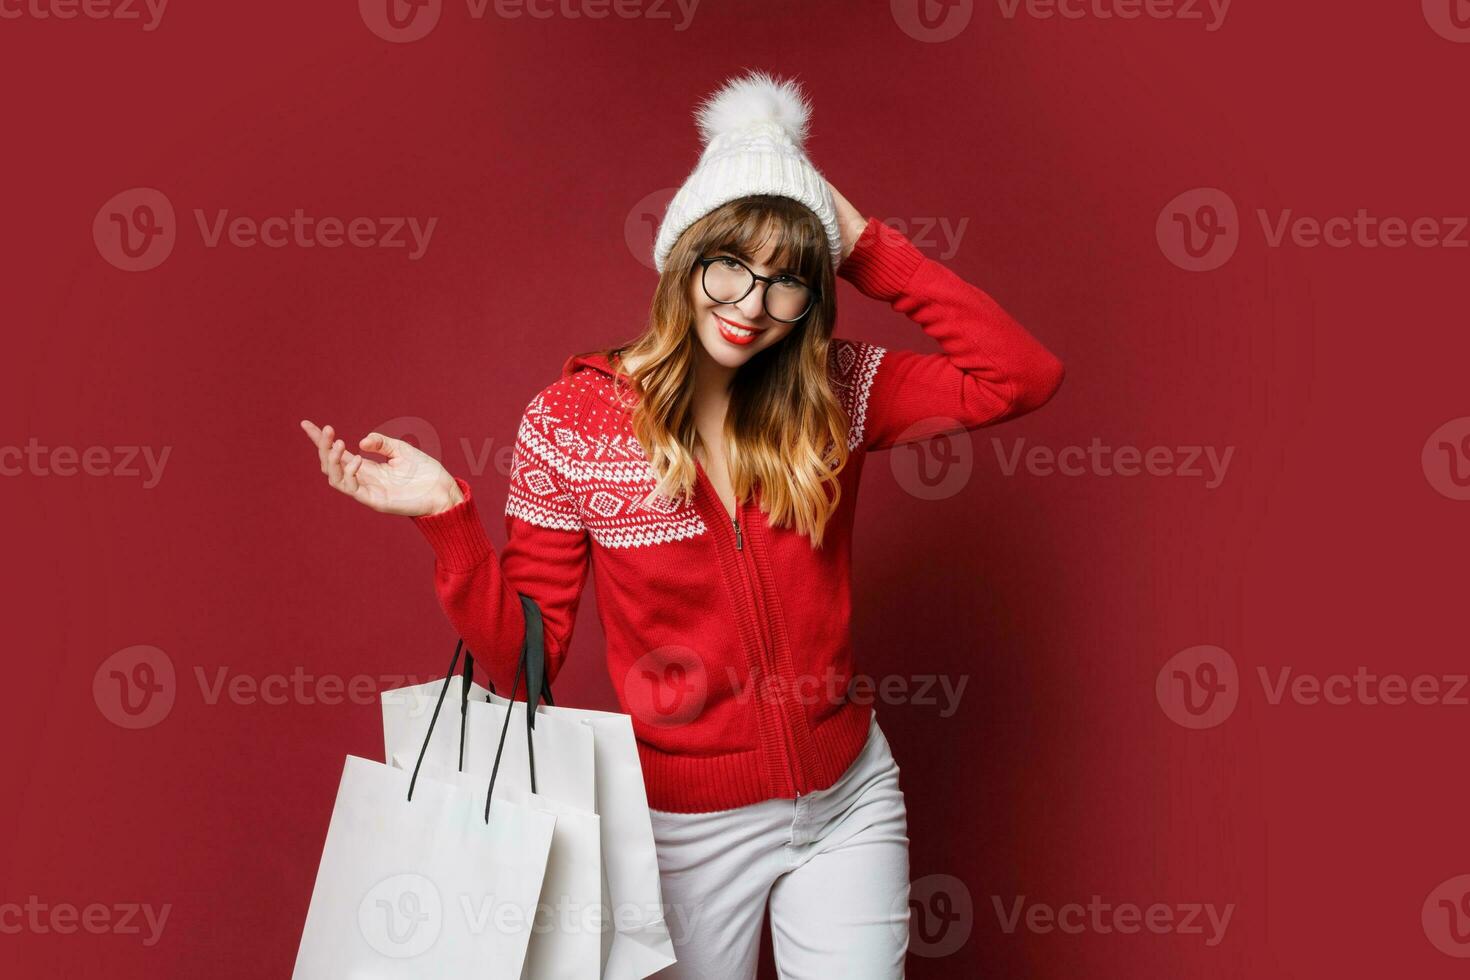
{"type": "Point", "coordinates": [1059, 141]}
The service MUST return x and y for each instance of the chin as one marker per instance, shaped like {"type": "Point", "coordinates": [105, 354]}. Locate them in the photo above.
{"type": "Point", "coordinates": [725, 358]}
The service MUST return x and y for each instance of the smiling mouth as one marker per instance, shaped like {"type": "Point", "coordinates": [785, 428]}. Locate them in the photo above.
{"type": "Point", "coordinates": [736, 333]}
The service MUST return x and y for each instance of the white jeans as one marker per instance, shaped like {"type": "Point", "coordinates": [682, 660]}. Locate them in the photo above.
{"type": "Point", "coordinates": [834, 866]}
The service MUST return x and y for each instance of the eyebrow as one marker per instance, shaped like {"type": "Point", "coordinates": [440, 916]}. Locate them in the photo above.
{"type": "Point", "coordinates": [739, 253]}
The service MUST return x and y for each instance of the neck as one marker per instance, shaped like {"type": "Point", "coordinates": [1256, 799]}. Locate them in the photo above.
{"type": "Point", "coordinates": [712, 379]}
{"type": "Point", "coordinates": [711, 398]}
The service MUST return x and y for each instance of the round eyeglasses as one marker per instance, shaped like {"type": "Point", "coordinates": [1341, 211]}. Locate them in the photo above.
{"type": "Point", "coordinates": [728, 280]}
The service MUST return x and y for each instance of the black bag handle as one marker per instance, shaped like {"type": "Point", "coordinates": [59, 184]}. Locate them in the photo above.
{"type": "Point", "coordinates": [464, 696]}
{"type": "Point", "coordinates": [528, 606]}
{"type": "Point", "coordinates": [532, 663]}
{"type": "Point", "coordinates": [534, 652]}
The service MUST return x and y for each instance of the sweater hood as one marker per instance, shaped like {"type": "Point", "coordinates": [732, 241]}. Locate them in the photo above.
{"type": "Point", "coordinates": [605, 385]}
{"type": "Point", "coordinates": [577, 362]}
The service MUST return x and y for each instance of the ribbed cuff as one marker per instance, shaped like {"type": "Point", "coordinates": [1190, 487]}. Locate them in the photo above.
{"type": "Point", "coordinates": [457, 534]}
{"type": "Point", "coordinates": [882, 262]}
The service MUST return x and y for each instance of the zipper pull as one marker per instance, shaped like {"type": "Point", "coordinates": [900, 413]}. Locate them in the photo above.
{"type": "Point", "coordinates": [739, 540]}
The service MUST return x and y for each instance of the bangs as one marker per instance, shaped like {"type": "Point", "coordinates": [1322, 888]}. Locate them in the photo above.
{"type": "Point", "coordinates": [787, 226]}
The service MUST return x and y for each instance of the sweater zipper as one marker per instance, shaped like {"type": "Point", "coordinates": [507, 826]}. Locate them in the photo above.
{"type": "Point", "coordinates": [788, 739]}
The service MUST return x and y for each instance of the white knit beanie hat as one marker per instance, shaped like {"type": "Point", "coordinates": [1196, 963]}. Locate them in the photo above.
{"type": "Point", "coordinates": [753, 130]}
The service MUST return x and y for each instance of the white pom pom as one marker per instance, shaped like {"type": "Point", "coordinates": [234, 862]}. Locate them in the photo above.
{"type": "Point", "coordinates": [753, 98]}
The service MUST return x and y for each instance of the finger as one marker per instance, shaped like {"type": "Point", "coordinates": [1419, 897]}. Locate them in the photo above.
{"type": "Point", "coordinates": [376, 442]}
{"type": "Point", "coordinates": [349, 472]}
{"type": "Point", "coordinates": [319, 438]}
{"type": "Point", "coordinates": [334, 463]}
{"type": "Point", "coordinates": [368, 472]}
{"type": "Point", "coordinates": [324, 446]}
{"type": "Point", "coordinates": [362, 481]}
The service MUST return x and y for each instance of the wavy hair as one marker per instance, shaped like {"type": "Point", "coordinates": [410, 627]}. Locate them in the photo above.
{"type": "Point", "coordinates": [785, 431]}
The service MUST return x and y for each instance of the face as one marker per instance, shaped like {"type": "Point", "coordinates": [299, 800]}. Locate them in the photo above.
{"type": "Point", "coordinates": [733, 333]}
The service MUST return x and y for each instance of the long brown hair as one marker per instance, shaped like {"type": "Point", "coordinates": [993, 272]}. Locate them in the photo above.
{"type": "Point", "coordinates": [785, 431]}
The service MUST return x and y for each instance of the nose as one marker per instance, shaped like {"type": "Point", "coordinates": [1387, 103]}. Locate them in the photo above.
{"type": "Point", "coordinates": [753, 307]}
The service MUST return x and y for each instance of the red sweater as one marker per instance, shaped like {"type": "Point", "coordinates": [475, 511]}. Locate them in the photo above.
{"type": "Point", "coordinates": [727, 639]}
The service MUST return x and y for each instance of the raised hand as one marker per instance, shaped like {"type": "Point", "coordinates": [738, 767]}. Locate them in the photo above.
{"type": "Point", "coordinates": [410, 483]}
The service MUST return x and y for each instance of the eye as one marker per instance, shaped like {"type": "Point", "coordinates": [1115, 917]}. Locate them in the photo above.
{"type": "Point", "coordinates": [725, 262]}
{"type": "Point", "coordinates": [789, 282]}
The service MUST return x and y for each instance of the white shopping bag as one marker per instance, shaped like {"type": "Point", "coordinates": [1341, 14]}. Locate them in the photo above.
{"type": "Point", "coordinates": [635, 940]}
{"type": "Point", "coordinates": [422, 887]}
{"type": "Point", "coordinates": [564, 749]}
{"type": "Point", "coordinates": [566, 935]}
{"type": "Point", "coordinates": [637, 943]}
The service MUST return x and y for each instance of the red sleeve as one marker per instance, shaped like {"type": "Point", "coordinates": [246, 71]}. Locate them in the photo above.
{"type": "Point", "coordinates": [990, 367]}
{"type": "Point", "coordinates": [545, 557]}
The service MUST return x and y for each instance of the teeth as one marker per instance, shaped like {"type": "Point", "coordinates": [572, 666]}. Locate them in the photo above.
{"type": "Point", "coordinates": [737, 331]}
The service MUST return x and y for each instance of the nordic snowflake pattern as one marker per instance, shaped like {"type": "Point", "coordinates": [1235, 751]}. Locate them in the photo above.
{"type": "Point", "coordinates": [578, 466]}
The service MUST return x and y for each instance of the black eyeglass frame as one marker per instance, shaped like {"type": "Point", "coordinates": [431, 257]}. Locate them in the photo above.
{"type": "Point", "coordinates": [705, 264]}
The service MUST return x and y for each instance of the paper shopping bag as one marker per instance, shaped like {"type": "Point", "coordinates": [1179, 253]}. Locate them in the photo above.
{"type": "Point", "coordinates": [426, 886]}
{"type": "Point", "coordinates": [635, 939]}
{"type": "Point", "coordinates": [566, 934]}
{"type": "Point", "coordinates": [638, 943]}
{"type": "Point", "coordinates": [566, 939]}
{"type": "Point", "coordinates": [406, 712]}
{"type": "Point", "coordinates": [564, 750]}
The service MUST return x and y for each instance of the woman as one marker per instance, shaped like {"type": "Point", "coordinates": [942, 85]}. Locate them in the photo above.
{"type": "Point", "coordinates": [707, 473]}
